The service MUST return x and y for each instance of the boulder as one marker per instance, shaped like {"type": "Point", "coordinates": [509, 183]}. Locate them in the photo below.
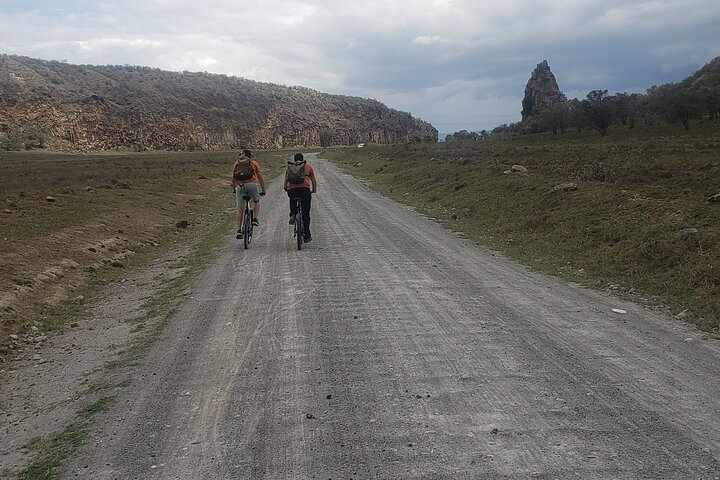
{"type": "Point", "coordinates": [565, 187]}
{"type": "Point", "coordinates": [686, 232]}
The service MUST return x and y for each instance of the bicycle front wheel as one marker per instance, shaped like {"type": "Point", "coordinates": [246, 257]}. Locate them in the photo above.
{"type": "Point", "coordinates": [247, 227]}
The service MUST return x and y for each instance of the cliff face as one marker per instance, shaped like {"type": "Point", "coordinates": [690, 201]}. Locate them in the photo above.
{"type": "Point", "coordinates": [541, 91]}
{"type": "Point", "coordinates": [109, 107]}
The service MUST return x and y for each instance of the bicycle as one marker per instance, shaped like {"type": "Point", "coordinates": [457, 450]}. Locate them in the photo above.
{"type": "Point", "coordinates": [299, 230]}
{"type": "Point", "coordinates": [247, 223]}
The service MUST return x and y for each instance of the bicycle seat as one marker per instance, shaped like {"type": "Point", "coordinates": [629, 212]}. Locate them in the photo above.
{"type": "Point", "coordinates": [246, 197]}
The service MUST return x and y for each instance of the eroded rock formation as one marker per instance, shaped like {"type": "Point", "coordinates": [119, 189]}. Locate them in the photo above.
{"type": "Point", "coordinates": [541, 91]}
{"type": "Point", "coordinates": [139, 108]}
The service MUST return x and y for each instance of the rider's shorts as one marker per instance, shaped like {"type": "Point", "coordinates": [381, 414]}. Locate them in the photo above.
{"type": "Point", "coordinates": [249, 189]}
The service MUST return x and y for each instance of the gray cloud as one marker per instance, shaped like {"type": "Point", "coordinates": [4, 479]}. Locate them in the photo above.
{"type": "Point", "coordinates": [457, 64]}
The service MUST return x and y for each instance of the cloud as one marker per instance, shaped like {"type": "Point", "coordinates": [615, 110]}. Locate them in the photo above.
{"type": "Point", "coordinates": [452, 62]}
{"type": "Point", "coordinates": [426, 40]}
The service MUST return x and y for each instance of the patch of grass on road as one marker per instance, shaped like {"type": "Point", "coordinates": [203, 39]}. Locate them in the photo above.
{"type": "Point", "coordinates": [53, 452]}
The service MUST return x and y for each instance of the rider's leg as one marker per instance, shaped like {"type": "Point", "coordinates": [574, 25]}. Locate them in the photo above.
{"type": "Point", "coordinates": [291, 195]}
{"type": "Point", "coordinates": [239, 218]}
{"type": "Point", "coordinates": [254, 193]}
{"type": "Point", "coordinates": [240, 204]}
{"type": "Point", "coordinates": [306, 204]}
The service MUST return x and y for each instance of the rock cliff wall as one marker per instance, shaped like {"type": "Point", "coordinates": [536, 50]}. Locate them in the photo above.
{"type": "Point", "coordinates": [139, 108]}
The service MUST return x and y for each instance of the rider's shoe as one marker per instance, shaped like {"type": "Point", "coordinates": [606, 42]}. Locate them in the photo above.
{"type": "Point", "coordinates": [292, 220]}
{"type": "Point", "coordinates": [239, 234]}
{"type": "Point", "coordinates": [255, 222]}
{"type": "Point", "coordinates": [307, 238]}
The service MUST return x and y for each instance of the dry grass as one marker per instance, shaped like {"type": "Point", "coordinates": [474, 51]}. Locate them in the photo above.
{"type": "Point", "coordinates": [619, 230]}
{"type": "Point", "coordinates": [109, 213]}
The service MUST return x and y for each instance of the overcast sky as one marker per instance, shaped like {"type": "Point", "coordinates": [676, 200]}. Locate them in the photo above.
{"type": "Point", "coordinates": [458, 64]}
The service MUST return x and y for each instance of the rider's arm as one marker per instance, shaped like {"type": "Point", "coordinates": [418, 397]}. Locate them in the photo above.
{"type": "Point", "coordinates": [313, 182]}
{"type": "Point", "coordinates": [256, 166]}
{"type": "Point", "coordinates": [261, 179]}
{"type": "Point", "coordinates": [234, 182]}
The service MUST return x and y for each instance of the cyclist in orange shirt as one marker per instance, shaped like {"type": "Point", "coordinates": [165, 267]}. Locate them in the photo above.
{"type": "Point", "coordinates": [245, 178]}
{"type": "Point", "coordinates": [302, 186]}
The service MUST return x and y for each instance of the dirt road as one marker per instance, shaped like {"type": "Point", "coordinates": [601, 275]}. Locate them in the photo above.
{"type": "Point", "coordinates": [392, 348]}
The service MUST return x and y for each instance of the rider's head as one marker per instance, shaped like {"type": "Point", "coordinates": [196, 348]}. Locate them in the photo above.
{"type": "Point", "coordinates": [247, 153]}
{"type": "Point", "coordinates": [298, 158]}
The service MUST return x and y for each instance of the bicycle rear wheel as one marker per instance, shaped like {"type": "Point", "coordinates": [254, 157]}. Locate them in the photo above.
{"type": "Point", "coordinates": [299, 230]}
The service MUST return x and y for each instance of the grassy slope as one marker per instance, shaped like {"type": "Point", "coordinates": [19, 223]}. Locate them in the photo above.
{"type": "Point", "coordinates": [617, 231]}
{"type": "Point", "coordinates": [112, 212]}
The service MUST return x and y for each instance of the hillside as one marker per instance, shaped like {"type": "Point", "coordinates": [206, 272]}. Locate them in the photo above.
{"type": "Point", "coordinates": [90, 108]}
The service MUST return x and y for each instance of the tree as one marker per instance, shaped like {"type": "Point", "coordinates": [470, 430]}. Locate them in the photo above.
{"type": "Point", "coordinates": [463, 135]}
{"type": "Point", "coordinates": [710, 95]}
{"type": "Point", "coordinates": [28, 139]}
{"type": "Point", "coordinates": [576, 115]}
{"type": "Point", "coordinates": [623, 106]}
{"type": "Point", "coordinates": [555, 118]}
{"type": "Point", "coordinates": [684, 106]}
{"type": "Point", "coordinates": [326, 137]}
{"type": "Point", "coordinates": [34, 138]}
{"type": "Point", "coordinates": [501, 129]}
{"type": "Point", "coordinates": [677, 104]}
{"type": "Point", "coordinates": [598, 109]}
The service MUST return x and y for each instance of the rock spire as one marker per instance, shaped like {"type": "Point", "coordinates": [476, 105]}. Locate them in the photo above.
{"type": "Point", "coordinates": [541, 91]}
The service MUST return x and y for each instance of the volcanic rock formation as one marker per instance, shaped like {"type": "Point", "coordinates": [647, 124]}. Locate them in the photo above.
{"type": "Point", "coordinates": [541, 91]}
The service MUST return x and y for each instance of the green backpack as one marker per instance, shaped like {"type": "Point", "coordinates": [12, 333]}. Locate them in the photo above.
{"type": "Point", "coordinates": [296, 172]}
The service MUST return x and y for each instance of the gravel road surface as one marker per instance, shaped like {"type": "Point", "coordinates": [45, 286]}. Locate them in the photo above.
{"type": "Point", "coordinates": [392, 348]}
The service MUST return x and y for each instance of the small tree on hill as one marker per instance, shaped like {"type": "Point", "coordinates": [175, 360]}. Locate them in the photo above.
{"type": "Point", "coordinates": [710, 95]}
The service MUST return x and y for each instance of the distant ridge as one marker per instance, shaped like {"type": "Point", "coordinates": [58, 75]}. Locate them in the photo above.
{"type": "Point", "coordinates": [86, 107]}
